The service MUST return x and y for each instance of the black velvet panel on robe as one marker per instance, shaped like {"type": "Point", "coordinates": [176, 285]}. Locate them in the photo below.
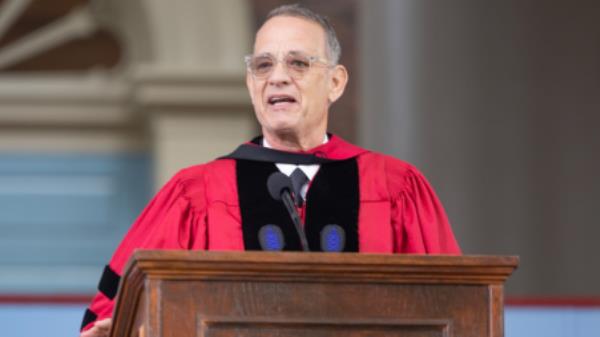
{"type": "Point", "coordinates": [332, 199]}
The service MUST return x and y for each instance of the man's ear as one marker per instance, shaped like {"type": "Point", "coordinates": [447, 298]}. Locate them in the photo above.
{"type": "Point", "coordinates": [339, 79]}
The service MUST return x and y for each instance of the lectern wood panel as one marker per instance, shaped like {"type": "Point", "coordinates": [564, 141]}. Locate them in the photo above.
{"type": "Point", "coordinates": [298, 294]}
{"type": "Point", "coordinates": [323, 329]}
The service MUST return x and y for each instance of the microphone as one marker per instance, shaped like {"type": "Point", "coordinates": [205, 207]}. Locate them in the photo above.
{"type": "Point", "coordinates": [271, 238]}
{"type": "Point", "coordinates": [333, 238]}
{"type": "Point", "coordinates": [279, 186]}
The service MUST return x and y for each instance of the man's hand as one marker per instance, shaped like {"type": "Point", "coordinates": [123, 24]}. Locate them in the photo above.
{"type": "Point", "coordinates": [100, 329]}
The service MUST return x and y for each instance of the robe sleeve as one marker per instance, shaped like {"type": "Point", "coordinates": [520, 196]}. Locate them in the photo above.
{"type": "Point", "coordinates": [419, 220]}
{"type": "Point", "coordinates": [170, 221]}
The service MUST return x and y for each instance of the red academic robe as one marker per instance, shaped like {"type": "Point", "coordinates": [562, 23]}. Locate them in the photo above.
{"type": "Point", "coordinates": [198, 209]}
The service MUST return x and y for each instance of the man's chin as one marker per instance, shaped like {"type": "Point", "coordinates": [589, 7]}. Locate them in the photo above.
{"type": "Point", "coordinates": [283, 123]}
{"type": "Point", "coordinates": [282, 129]}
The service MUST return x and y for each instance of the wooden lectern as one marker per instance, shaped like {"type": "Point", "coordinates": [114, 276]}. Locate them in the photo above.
{"type": "Point", "coordinates": [251, 294]}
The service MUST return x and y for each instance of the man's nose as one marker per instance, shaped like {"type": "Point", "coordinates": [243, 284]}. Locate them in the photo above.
{"type": "Point", "coordinates": [279, 75]}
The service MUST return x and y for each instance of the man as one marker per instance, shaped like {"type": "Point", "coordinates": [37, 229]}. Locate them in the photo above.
{"type": "Point", "coordinates": [368, 202]}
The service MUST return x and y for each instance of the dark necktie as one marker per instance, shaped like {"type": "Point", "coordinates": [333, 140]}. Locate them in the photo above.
{"type": "Point", "coordinates": [298, 180]}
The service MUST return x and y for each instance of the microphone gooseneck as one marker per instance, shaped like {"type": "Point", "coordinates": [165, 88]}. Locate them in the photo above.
{"type": "Point", "coordinates": [279, 186]}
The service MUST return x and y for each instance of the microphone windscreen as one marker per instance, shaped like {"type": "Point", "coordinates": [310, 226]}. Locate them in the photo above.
{"type": "Point", "coordinates": [333, 238]}
{"type": "Point", "coordinates": [277, 183]}
{"type": "Point", "coordinates": [271, 238]}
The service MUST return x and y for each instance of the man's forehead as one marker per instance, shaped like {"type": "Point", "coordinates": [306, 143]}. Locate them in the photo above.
{"type": "Point", "coordinates": [286, 33]}
{"type": "Point", "coordinates": [293, 52]}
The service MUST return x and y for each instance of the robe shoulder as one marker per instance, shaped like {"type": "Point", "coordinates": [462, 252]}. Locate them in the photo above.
{"type": "Point", "coordinates": [418, 219]}
{"type": "Point", "coordinates": [205, 183]}
{"type": "Point", "coordinates": [388, 176]}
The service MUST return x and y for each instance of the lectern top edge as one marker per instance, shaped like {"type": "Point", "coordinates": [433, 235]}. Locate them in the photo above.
{"type": "Point", "coordinates": [396, 268]}
{"type": "Point", "coordinates": [324, 258]}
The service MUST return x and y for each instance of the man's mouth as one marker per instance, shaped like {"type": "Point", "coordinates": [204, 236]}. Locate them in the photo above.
{"type": "Point", "coordinates": [280, 99]}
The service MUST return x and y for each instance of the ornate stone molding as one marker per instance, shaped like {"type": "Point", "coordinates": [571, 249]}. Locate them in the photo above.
{"type": "Point", "coordinates": [164, 87]}
{"type": "Point", "coordinates": [64, 101]}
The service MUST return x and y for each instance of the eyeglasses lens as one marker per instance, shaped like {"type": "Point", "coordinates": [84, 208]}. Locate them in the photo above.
{"type": "Point", "coordinates": [296, 65]}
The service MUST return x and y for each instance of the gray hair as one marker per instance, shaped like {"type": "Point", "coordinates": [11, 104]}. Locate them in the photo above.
{"type": "Point", "coordinates": [333, 44]}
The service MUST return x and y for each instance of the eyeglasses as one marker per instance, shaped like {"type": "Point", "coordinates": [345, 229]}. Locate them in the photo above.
{"type": "Point", "coordinates": [297, 64]}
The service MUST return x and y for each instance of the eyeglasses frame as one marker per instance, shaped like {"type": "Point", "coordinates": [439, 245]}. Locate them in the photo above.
{"type": "Point", "coordinates": [311, 59]}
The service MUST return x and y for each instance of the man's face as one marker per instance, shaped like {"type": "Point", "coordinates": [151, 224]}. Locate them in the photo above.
{"type": "Point", "coordinates": [290, 105]}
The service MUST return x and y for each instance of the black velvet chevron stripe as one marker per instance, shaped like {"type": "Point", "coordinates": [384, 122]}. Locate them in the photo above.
{"type": "Point", "coordinates": [88, 318]}
{"type": "Point", "coordinates": [109, 283]}
{"type": "Point", "coordinates": [263, 154]}
{"type": "Point", "coordinates": [269, 155]}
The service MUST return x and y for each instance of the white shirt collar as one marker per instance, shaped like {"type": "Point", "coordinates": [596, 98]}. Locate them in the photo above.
{"type": "Point", "coordinates": [287, 169]}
